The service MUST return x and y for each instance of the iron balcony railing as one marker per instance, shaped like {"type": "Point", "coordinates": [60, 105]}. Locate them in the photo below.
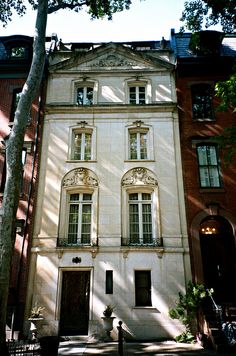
{"type": "Point", "coordinates": [136, 242]}
{"type": "Point", "coordinates": [66, 242]}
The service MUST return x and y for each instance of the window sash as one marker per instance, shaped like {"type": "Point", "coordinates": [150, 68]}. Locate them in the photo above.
{"type": "Point", "coordinates": [82, 146]}
{"type": "Point", "coordinates": [137, 94]}
{"type": "Point", "coordinates": [138, 145]}
{"type": "Point", "coordinates": [80, 218]}
{"type": "Point", "coordinates": [202, 102]}
{"type": "Point", "coordinates": [143, 289]}
{"type": "Point", "coordinates": [209, 168]}
{"type": "Point", "coordinates": [140, 218]}
{"type": "Point", "coordinates": [84, 95]}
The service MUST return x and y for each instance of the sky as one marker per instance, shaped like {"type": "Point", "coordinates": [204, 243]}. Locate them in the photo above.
{"type": "Point", "coordinates": [146, 20]}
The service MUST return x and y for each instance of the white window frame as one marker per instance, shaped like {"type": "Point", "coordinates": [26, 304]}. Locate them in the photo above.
{"type": "Point", "coordinates": [81, 83]}
{"type": "Point", "coordinates": [141, 188]}
{"type": "Point", "coordinates": [73, 131]}
{"type": "Point", "coordinates": [140, 127]}
{"type": "Point", "coordinates": [77, 188]}
{"type": "Point", "coordinates": [139, 83]}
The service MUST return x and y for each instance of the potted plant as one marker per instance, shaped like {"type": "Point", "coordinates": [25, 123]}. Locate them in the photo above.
{"type": "Point", "coordinates": [108, 320]}
{"type": "Point", "coordinates": [187, 308]}
{"type": "Point", "coordinates": [35, 317]}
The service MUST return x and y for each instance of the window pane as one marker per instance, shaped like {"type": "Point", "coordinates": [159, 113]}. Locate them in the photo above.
{"type": "Point", "coordinates": [78, 146]}
{"type": "Point", "coordinates": [143, 288]}
{"type": "Point", "coordinates": [133, 146]}
{"type": "Point", "coordinates": [87, 146]}
{"type": "Point", "coordinates": [133, 196]}
{"type": "Point", "coordinates": [202, 102]}
{"type": "Point", "coordinates": [147, 223]}
{"type": "Point", "coordinates": [80, 96]}
{"type": "Point", "coordinates": [109, 282]}
{"type": "Point", "coordinates": [209, 169]}
{"type": "Point", "coordinates": [134, 223]}
{"type": "Point", "coordinates": [73, 223]}
{"type": "Point", "coordinates": [89, 97]}
{"type": "Point", "coordinates": [86, 223]}
{"type": "Point", "coordinates": [143, 145]}
{"type": "Point", "coordinates": [141, 95]}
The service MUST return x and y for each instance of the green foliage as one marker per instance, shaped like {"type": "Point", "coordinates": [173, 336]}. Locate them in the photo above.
{"type": "Point", "coordinates": [36, 311]}
{"type": "Point", "coordinates": [226, 90]}
{"type": "Point", "coordinates": [8, 6]}
{"type": "Point", "coordinates": [188, 305]}
{"type": "Point", "coordinates": [186, 337]}
{"type": "Point", "coordinates": [209, 12]}
{"type": "Point", "coordinates": [227, 144]}
{"type": "Point", "coordinates": [108, 310]}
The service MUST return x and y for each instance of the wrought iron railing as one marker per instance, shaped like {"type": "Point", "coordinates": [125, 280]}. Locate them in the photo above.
{"type": "Point", "coordinates": [66, 242]}
{"type": "Point", "coordinates": [147, 243]}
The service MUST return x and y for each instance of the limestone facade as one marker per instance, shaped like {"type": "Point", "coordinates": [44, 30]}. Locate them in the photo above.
{"type": "Point", "coordinates": [110, 195]}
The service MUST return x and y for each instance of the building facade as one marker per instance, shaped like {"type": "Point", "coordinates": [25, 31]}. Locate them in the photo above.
{"type": "Point", "coordinates": [15, 59]}
{"type": "Point", "coordinates": [210, 189]}
{"type": "Point", "coordinates": [110, 226]}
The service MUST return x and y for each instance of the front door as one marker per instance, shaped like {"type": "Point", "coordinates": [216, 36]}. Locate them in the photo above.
{"type": "Point", "coordinates": [74, 316]}
{"type": "Point", "coordinates": [218, 257]}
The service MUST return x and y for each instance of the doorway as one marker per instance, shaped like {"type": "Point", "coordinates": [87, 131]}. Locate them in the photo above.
{"type": "Point", "coordinates": [74, 316]}
{"type": "Point", "coordinates": [218, 258]}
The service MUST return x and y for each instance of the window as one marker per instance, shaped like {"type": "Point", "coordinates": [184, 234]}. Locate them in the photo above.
{"type": "Point", "coordinates": [143, 289]}
{"type": "Point", "coordinates": [109, 282]}
{"type": "Point", "coordinates": [140, 209]}
{"type": "Point", "coordinates": [79, 227]}
{"type": "Point", "coordinates": [82, 146]}
{"type": "Point", "coordinates": [15, 101]}
{"type": "Point", "coordinates": [138, 141]}
{"type": "Point", "coordinates": [209, 166]}
{"type": "Point", "coordinates": [140, 218]}
{"type": "Point", "coordinates": [202, 102]}
{"type": "Point", "coordinates": [84, 95]}
{"type": "Point", "coordinates": [17, 52]}
{"type": "Point", "coordinates": [78, 208]}
{"type": "Point", "coordinates": [137, 94]}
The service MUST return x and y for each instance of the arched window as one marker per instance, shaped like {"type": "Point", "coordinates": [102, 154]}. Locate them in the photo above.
{"type": "Point", "coordinates": [140, 208]}
{"type": "Point", "coordinates": [78, 217]}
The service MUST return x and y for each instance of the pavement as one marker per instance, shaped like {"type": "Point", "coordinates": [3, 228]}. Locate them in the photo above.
{"type": "Point", "coordinates": [86, 346]}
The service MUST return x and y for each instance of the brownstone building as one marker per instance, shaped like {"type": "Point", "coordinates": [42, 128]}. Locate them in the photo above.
{"type": "Point", "coordinates": [210, 187]}
{"type": "Point", "coordinates": [15, 60]}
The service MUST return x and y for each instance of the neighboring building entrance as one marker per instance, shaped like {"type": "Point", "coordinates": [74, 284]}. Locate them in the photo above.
{"type": "Point", "coordinates": [218, 258]}
{"type": "Point", "coordinates": [74, 316]}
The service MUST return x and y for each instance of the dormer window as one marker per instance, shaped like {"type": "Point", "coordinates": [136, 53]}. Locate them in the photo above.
{"type": "Point", "coordinates": [17, 52]}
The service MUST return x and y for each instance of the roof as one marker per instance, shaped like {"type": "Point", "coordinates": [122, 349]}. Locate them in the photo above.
{"type": "Point", "coordinates": [180, 43]}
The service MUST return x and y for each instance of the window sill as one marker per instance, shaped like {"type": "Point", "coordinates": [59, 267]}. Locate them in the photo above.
{"type": "Point", "coordinates": [80, 160]}
{"type": "Point", "coordinates": [139, 160]}
{"type": "Point", "coordinates": [145, 308]}
{"type": "Point", "coordinates": [205, 120]}
{"type": "Point", "coordinates": [211, 190]}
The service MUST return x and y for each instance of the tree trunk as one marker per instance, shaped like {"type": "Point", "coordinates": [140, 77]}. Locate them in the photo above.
{"type": "Point", "coordinates": [14, 146]}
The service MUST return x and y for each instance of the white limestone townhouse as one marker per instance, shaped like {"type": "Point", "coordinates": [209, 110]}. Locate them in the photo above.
{"type": "Point", "coordinates": [110, 224]}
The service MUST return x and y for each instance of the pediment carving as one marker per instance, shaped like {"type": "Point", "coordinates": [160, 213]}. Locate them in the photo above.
{"type": "Point", "coordinates": [79, 177]}
{"type": "Point", "coordinates": [113, 60]}
{"type": "Point", "coordinates": [139, 176]}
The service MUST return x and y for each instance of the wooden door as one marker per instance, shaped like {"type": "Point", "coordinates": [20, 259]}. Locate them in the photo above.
{"type": "Point", "coordinates": [74, 316]}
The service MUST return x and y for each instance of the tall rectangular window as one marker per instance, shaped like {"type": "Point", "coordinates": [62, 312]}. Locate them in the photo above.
{"type": "Point", "coordinates": [209, 166]}
{"type": "Point", "coordinates": [82, 149]}
{"type": "Point", "coordinates": [202, 102]}
{"type": "Point", "coordinates": [84, 95]}
{"type": "Point", "coordinates": [140, 218]}
{"type": "Point", "coordinates": [143, 289]}
{"type": "Point", "coordinates": [137, 94]}
{"type": "Point", "coordinates": [80, 210]}
{"type": "Point", "coordinates": [109, 282]}
{"type": "Point", "coordinates": [138, 144]}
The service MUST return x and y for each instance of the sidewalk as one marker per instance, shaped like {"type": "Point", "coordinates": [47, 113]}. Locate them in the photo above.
{"type": "Point", "coordinates": [77, 347]}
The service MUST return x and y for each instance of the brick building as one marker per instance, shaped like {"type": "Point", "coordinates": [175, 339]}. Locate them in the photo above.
{"type": "Point", "coordinates": [15, 59]}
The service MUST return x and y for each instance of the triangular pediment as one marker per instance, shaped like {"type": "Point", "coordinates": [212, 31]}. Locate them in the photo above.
{"type": "Point", "coordinates": [111, 56]}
